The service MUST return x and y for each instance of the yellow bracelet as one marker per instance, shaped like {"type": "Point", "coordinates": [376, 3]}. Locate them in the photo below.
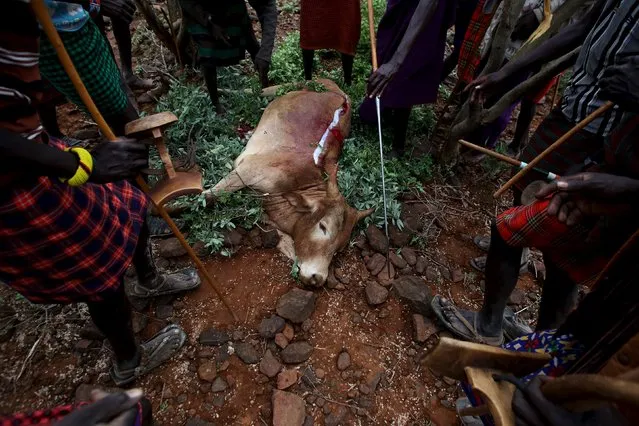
{"type": "Point", "coordinates": [85, 167]}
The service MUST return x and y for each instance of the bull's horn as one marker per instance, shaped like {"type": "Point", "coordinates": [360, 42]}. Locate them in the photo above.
{"type": "Point", "coordinates": [361, 214]}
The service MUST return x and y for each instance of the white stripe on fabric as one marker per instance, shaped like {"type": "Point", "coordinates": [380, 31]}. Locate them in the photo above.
{"type": "Point", "coordinates": [12, 93]}
{"type": "Point", "coordinates": [320, 146]}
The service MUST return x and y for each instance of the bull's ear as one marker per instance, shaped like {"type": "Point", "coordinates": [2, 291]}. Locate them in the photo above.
{"type": "Point", "coordinates": [301, 203]}
{"type": "Point", "coordinates": [361, 214]}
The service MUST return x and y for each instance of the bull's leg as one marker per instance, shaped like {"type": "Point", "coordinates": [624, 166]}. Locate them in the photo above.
{"type": "Point", "coordinates": [210, 77]}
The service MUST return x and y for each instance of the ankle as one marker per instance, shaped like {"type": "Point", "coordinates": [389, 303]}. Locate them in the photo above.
{"type": "Point", "coordinates": [131, 363]}
{"type": "Point", "coordinates": [490, 325]}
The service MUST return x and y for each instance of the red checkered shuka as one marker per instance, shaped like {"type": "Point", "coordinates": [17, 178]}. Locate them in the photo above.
{"type": "Point", "coordinates": [61, 244]}
{"type": "Point", "coordinates": [470, 55]}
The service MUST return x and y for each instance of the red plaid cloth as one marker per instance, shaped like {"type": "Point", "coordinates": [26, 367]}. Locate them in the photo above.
{"type": "Point", "coordinates": [469, 54]}
{"type": "Point", "coordinates": [582, 251]}
{"type": "Point", "coordinates": [53, 415]}
{"type": "Point", "coordinates": [61, 244]}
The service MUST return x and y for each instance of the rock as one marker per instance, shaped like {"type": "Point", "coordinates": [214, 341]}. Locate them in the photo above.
{"type": "Point", "coordinates": [170, 247]}
{"type": "Point", "coordinates": [84, 345]}
{"type": "Point", "coordinates": [360, 242]}
{"type": "Point", "coordinates": [517, 297]}
{"type": "Point", "coordinates": [164, 312]}
{"type": "Point", "coordinates": [352, 394]}
{"type": "Point", "coordinates": [269, 327]}
{"type": "Point", "coordinates": [423, 328]}
{"type": "Point", "coordinates": [214, 337]}
{"type": "Point", "coordinates": [206, 353]}
{"type": "Point", "coordinates": [306, 326]}
{"type": "Point", "coordinates": [376, 239]}
{"type": "Point", "coordinates": [238, 335]}
{"type": "Point", "coordinates": [450, 381]}
{"type": "Point", "coordinates": [356, 318]}
{"type": "Point", "coordinates": [331, 281]}
{"type": "Point", "coordinates": [86, 133]}
{"type": "Point", "coordinates": [341, 276]}
{"type": "Point", "coordinates": [182, 398]}
{"type": "Point", "coordinates": [456, 275]}
{"type": "Point", "coordinates": [270, 238]}
{"type": "Point", "coordinates": [376, 263]}
{"type": "Point", "coordinates": [321, 402]}
{"type": "Point", "coordinates": [431, 275]}
{"type": "Point", "coordinates": [397, 261]}
{"type": "Point", "coordinates": [281, 340]}
{"type": "Point", "coordinates": [224, 366]}
{"type": "Point", "coordinates": [297, 352]}
{"type": "Point", "coordinates": [266, 411]}
{"type": "Point", "coordinates": [343, 360]}
{"type": "Point", "coordinates": [409, 255]}
{"type": "Point", "coordinates": [398, 238]}
{"type": "Point", "coordinates": [232, 238]}
{"type": "Point", "coordinates": [207, 371]}
{"type": "Point", "coordinates": [406, 271]}
{"type": "Point", "coordinates": [288, 332]}
{"type": "Point", "coordinates": [415, 292]}
{"type": "Point", "coordinates": [374, 378]}
{"type": "Point", "coordinates": [247, 353]}
{"type": "Point", "coordinates": [308, 421]}
{"type": "Point", "coordinates": [309, 377]}
{"type": "Point", "coordinates": [270, 366]}
{"type": "Point", "coordinates": [320, 373]}
{"type": "Point", "coordinates": [297, 305]}
{"type": "Point", "coordinates": [196, 421]}
{"type": "Point", "coordinates": [286, 379]}
{"type": "Point", "coordinates": [336, 416]}
{"type": "Point", "coordinates": [364, 389]}
{"type": "Point", "coordinates": [375, 294]}
{"type": "Point", "coordinates": [385, 276]}
{"type": "Point", "coordinates": [383, 313]}
{"type": "Point", "coordinates": [441, 394]}
{"type": "Point", "coordinates": [219, 385]}
{"type": "Point", "coordinates": [218, 401]}
{"type": "Point", "coordinates": [421, 265]}
{"type": "Point", "coordinates": [288, 409]}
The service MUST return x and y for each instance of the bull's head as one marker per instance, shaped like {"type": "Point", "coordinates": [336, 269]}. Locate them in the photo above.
{"type": "Point", "coordinates": [323, 227]}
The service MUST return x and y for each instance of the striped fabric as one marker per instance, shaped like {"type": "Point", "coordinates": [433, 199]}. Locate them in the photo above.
{"type": "Point", "coordinates": [614, 37]}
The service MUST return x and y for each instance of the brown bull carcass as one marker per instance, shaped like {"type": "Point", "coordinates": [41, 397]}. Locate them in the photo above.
{"type": "Point", "coordinates": [291, 159]}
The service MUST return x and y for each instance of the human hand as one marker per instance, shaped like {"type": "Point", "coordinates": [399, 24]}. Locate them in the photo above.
{"type": "Point", "coordinates": [532, 408]}
{"type": "Point", "coordinates": [619, 84]}
{"type": "Point", "coordinates": [262, 68]}
{"type": "Point", "coordinates": [378, 81]}
{"type": "Point", "coordinates": [218, 32]}
{"type": "Point", "coordinates": [120, 160]}
{"type": "Point", "coordinates": [118, 9]}
{"type": "Point", "coordinates": [117, 409]}
{"type": "Point", "coordinates": [588, 194]}
{"type": "Point", "coordinates": [525, 26]}
{"type": "Point", "coordinates": [484, 85]}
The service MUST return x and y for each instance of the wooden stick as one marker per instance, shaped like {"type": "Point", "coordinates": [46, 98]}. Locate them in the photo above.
{"type": "Point", "coordinates": [583, 123]}
{"type": "Point", "coordinates": [505, 158]}
{"type": "Point", "coordinates": [481, 410]}
{"type": "Point", "coordinates": [42, 14]}
{"type": "Point", "coordinates": [555, 93]}
{"type": "Point", "coordinates": [371, 29]}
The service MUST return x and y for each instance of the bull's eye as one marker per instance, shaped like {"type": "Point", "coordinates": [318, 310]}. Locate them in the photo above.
{"type": "Point", "coordinates": [323, 228]}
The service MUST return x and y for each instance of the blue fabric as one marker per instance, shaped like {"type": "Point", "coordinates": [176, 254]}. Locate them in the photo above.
{"type": "Point", "coordinates": [67, 17]}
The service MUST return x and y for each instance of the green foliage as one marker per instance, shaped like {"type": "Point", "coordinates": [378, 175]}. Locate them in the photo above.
{"type": "Point", "coordinates": [291, 6]}
{"type": "Point", "coordinates": [220, 139]}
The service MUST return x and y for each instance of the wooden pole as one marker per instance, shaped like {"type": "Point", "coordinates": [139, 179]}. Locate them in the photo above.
{"type": "Point", "coordinates": [42, 14]}
{"type": "Point", "coordinates": [583, 123]}
{"type": "Point", "coordinates": [371, 29]}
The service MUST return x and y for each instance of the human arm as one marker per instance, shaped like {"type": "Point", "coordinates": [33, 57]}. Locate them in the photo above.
{"type": "Point", "coordinates": [117, 409]}
{"type": "Point", "coordinates": [267, 13]}
{"type": "Point", "coordinates": [620, 84]}
{"type": "Point", "coordinates": [122, 9]}
{"type": "Point", "coordinates": [111, 161]}
{"type": "Point", "coordinates": [569, 38]}
{"type": "Point", "coordinates": [378, 81]}
{"type": "Point", "coordinates": [590, 194]}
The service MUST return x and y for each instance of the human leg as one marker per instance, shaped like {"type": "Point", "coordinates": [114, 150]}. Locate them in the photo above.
{"type": "Point", "coordinates": [347, 67]}
{"type": "Point", "coordinates": [122, 34]}
{"type": "Point", "coordinates": [210, 77]}
{"type": "Point", "coordinates": [558, 298]}
{"type": "Point", "coordinates": [526, 114]}
{"type": "Point", "coordinates": [400, 129]}
{"type": "Point", "coordinates": [307, 58]}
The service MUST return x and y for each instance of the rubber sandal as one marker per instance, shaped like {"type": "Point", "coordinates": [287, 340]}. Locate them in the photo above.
{"type": "Point", "coordinates": [155, 352]}
{"type": "Point", "coordinates": [514, 327]}
{"type": "Point", "coordinates": [159, 228]}
{"type": "Point", "coordinates": [177, 282]}
{"type": "Point", "coordinates": [461, 404]}
{"type": "Point", "coordinates": [482, 242]}
{"type": "Point", "coordinates": [479, 263]}
{"type": "Point", "coordinates": [137, 83]}
{"type": "Point", "coordinates": [469, 331]}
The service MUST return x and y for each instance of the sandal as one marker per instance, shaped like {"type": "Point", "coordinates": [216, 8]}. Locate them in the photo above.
{"type": "Point", "coordinates": [455, 322]}
{"type": "Point", "coordinates": [166, 284]}
{"type": "Point", "coordinates": [155, 351]}
{"type": "Point", "coordinates": [514, 327]}
{"type": "Point", "coordinates": [482, 242]}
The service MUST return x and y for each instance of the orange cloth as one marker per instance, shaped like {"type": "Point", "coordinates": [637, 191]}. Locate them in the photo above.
{"type": "Point", "coordinates": [330, 24]}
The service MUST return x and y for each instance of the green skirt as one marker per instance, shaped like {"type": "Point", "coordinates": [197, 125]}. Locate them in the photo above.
{"type": "Point", "coordinates": [92, 57]}
{"type": "Point", "coordinates": [233, 18]}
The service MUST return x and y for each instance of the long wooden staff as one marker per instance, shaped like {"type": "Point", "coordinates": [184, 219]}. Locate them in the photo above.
{"type": "Point", "coordinates": [42, 14]}
{"type": "Point", "coordinates": [583, 123]}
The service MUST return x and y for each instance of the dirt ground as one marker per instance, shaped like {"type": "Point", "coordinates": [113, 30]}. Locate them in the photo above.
{"type": "Point", "coordinates": [54, 356]}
